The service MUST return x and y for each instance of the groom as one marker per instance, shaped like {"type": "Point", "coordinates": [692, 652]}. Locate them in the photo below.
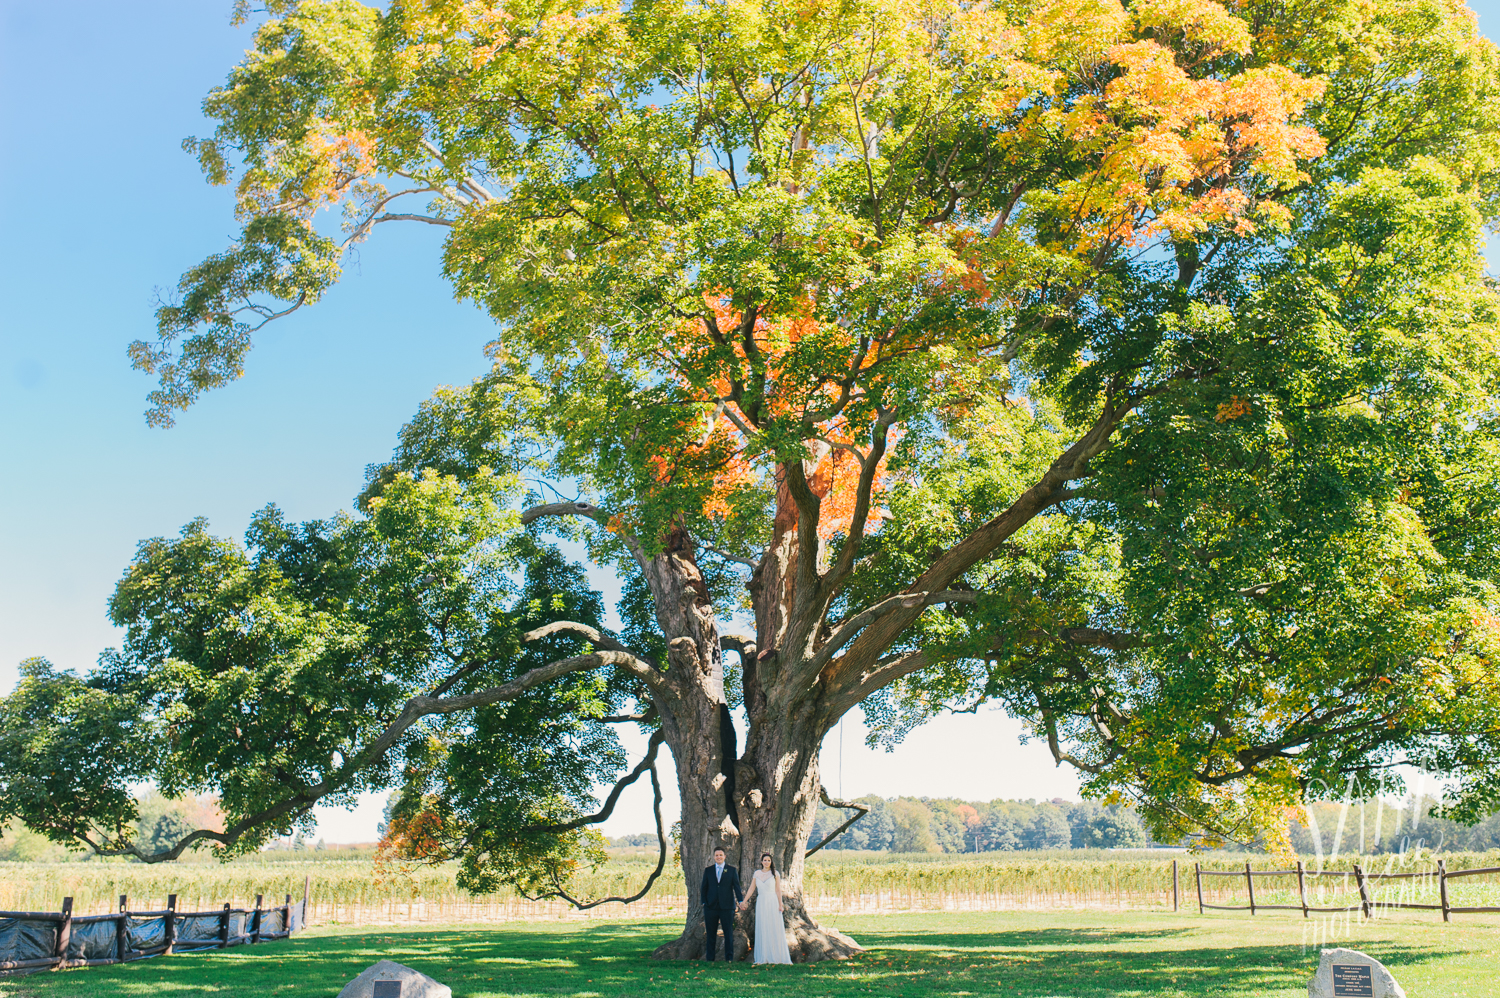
{"type": "Point", "coordinates": [720, 894]}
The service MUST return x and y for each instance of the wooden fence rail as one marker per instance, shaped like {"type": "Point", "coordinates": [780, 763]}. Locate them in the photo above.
{"type": "Point", "coordinates": [1366, 905]}
{"type": "Point", "coordinates": [37, 940]}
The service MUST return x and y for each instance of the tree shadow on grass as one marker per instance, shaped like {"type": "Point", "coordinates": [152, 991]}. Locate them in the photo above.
{"type": "Point", "coordinates": [611, 960]}
{"type": "Point", "coordinates": [1085, 936]}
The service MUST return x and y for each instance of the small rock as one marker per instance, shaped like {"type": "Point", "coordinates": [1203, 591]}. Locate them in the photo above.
{"type": "Point", "coordinates": [1348, 973]}
{"type": "Point", "coordinates": [388, 979]}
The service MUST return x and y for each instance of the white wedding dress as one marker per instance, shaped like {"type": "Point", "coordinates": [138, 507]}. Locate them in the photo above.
{"type": "Point", "coordinates": [770, 928]}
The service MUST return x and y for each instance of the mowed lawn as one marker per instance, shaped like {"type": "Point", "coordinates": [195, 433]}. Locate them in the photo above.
{"type": "Point", "coordinates": [1053, 954]}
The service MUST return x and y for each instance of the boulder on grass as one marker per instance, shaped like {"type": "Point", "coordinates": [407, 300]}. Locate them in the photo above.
{"type": "Point", "coordinates": [1348, 973]}
{"type": "Point", "coordinates": [388, 979]}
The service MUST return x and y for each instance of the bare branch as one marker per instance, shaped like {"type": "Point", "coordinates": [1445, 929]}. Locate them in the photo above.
{"type": "Point", "coordinates": [847, 805]}
{"type": "Point", "coordinates": [647, 762]}
{"type": "Point", "coordinates": [661, 863]}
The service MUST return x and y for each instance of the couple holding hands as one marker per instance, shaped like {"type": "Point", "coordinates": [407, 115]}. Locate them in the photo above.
{"type": "Point", "coordinates": [722, 896]}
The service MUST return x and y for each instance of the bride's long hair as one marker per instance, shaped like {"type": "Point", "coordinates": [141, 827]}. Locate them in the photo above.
{"type": "Point", "coordinates": [766, 855]}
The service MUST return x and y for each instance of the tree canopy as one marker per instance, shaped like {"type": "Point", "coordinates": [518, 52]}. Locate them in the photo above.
{"type": "Point", "coordinates": [1131, 366]}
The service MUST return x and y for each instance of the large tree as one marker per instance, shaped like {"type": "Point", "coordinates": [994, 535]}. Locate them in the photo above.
{"type": "Point", "coordinates": [1130, 366]}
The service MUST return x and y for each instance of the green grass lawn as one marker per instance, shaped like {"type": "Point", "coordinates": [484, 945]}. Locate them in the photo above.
{"type": "Point", "coordinates": [1022, 954]}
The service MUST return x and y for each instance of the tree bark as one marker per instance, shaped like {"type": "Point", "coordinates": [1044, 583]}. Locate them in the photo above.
{"type": "Point", "coordinates": [764, 800]}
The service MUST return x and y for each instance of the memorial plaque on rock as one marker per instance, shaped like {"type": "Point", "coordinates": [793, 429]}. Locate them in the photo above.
{"type": "Point", "coordinates": [1347, 973]}
{"type": "Point", "coordinates": [1350, 980]}
{"type": "Point", "coordinates": [388, 979]}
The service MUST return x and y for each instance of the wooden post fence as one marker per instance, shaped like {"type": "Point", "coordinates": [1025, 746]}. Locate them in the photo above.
{"type": "Point", "coordinates": [1367, 899]}
{"type": "Point", "coordinates": [1174, 885]}
{"type": "Point", "coordinates": [122, 932]}
{"type": "Point", "coordinates": [170, 925]}
{"type": "Point", "coordinates": [64, 930]}
{"type": "Point", "coordinates": [1364, 890]}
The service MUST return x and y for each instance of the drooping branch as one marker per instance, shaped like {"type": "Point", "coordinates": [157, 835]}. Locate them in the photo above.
{"type": "Point", "coordinates": [860, 809]}
{"type": "Point", "coordinates": [647, 762]}
{"type": "Point", "coordinates": [416, 708]}
{"type": "Point", "coordinates": [559, 891]}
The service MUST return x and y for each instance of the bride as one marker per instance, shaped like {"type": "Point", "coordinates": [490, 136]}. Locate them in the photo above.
{"type": "Point", "coordinates": [770, 930]}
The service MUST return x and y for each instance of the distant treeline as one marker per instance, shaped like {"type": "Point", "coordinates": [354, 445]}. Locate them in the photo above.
{"type": "Point", "coordinates": [926, 824]}
{"type": "Point", "coordinates": [1376, 827]}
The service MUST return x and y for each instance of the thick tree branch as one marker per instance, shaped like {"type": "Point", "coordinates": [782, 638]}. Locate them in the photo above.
{"type": "Point", "coordinates": [852, 687]}
{"type": "Point", "coordinates": [416, 708]}
{"type": "Point", "coordinates": [595, 637]}
{"type": "Point", "coordinates": [953, 563]}
{"type": "Point", "coordinates": [740, 644]}
{"type": "Point", "coordinates": [850, 628]}
{"type": "Point", "coordinates": [1096, 637]}
{"type": "Point", "coordinates": [589, 511]}
{"type": "Point", "coordinates": [400, 217]}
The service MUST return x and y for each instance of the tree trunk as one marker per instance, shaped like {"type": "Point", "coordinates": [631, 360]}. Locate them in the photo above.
{"type": "Point", "coordinates": [765, 800]}
{"type": "Point", "coordinates": [776, 813]}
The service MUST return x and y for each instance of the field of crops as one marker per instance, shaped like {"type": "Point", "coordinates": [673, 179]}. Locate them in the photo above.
{"type": "Point", "coordinates": [353, 890]}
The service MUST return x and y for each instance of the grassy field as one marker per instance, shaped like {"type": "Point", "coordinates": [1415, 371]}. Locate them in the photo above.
{"type": "Point", "coordinates": [1020, 954]}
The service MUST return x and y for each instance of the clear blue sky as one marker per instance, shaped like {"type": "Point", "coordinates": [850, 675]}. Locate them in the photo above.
{"type": "Point", "coordinates": [100, 208]}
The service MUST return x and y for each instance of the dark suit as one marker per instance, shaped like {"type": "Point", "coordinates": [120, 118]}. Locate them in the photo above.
{"type": "Point", "coordinates": [719, 896]}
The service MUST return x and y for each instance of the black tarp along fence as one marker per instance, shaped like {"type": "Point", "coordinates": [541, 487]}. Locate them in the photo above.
{"type": "Point", "coordinates": [35, 940]}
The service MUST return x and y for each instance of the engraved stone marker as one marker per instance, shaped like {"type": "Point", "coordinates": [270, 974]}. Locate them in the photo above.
{"type": "Point", "coordinates": [1347, 973]}
{"type": "Point", "coordinates": [388, 979]}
